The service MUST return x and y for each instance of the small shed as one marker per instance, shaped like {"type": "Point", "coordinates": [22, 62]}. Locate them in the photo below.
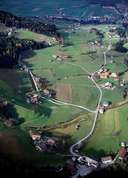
{"type": "Point", "coordinates": [106, 160]}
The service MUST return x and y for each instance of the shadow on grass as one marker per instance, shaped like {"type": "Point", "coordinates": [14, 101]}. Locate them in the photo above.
{"type": "Point", "coordinates": [43, 110]}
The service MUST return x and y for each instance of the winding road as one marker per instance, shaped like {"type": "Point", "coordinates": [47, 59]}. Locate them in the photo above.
{"type": "Point", "coordinates": [61, 103]}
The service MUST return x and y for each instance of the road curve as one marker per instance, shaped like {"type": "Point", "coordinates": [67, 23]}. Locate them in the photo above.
{"type": "Point", "coordinates": [72, 148]}
{"type": "Point", "coordinates": [61, 103]}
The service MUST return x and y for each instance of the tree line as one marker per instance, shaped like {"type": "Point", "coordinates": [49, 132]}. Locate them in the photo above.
{"type": "Point", "coordinates": [11, 20]}
{"type": "Point", "coordinates": [12, 47]}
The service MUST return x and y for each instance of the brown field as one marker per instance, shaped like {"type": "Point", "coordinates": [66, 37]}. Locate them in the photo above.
{"type": "Point", "coordinates": [117, 123]}
{"type": "Point", "coordinates": [64, 92]}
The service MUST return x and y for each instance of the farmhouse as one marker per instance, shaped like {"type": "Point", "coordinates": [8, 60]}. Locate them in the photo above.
{"type": "Point", "coordinates": [106, 160]}
{"type": "Point", "coordinates": [108, 86]}
{"type": "Point", "coordinates": [115, 76]}
{"type": "Point", "coordinates": [104, 73]}
{"type": "Point", "coordinates": [122, 152]}
{"type": "Point", "coordinates": [46, 93]}
{"type": "Point", "coordinates": [32, 98]}
{"type": "Point", "coordinates": [103, 107]}
{"type": "Point", "coordinates": [34, 135]}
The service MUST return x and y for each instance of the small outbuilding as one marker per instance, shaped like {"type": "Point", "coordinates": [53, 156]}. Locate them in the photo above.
{"type": "Point", "coordinates": [106, 160]}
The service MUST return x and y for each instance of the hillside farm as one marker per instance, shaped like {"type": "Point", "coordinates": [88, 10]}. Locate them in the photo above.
{"type": "Point", "coordinates": [67, 69]}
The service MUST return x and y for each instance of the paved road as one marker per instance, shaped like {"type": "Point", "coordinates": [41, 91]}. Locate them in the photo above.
{"type": "Point", "coordinates": [79, 143]}
{"type": "Point", "coordinates": [61, 103]}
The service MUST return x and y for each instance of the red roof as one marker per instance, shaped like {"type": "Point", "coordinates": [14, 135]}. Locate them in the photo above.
{"type": "Point", "coordinates": [122, 152]}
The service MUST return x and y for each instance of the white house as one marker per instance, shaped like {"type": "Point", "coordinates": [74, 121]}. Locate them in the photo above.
{"type": "Point", "coordinates": [106, 160]}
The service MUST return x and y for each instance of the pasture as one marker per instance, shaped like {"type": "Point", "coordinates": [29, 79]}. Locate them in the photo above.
{"type": "Point", "coordinates": [111, 130]}
{"type": "Point", "coordinates": [69, 77]}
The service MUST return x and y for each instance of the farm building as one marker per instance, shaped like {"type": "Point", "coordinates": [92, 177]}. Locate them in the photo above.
{"type": "Point", "coordinates": [115, 76]}
{"type": "Point", "coordinates": [104, 73]}
{"type": "Point", "coordinates": [34, 135]}
{"type": "Point", "coordinates": [101, 110]}
{"type": "Point", "coordinates": [106, 160]}
{"type": "Point", "coordinates": [103, 107]}
{"type": "Point", "coordinates": [32, 98]}
{"type": "Point", "coordinates": [108, 86]}
{"type": "Point", "coordinates": [122, 152]}
{"type": "Point", "coordinates": [46, 93]}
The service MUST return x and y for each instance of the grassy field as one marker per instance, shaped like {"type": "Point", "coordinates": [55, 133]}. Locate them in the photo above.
{"type": "Point", "coordinates": [85, 122]}
{"type": "Point", "coordinates": [46, 115]}
{"type": "Point", "coordinates": [70, 72]}
{"type": "Point", "coordinates": [111, 127]}
{"type": "Point", "coordinates": [13, 85]}
{"type": "Point", "coordinates": [110, 131]}
{"type": "Point", "coordinates": [25, 34]}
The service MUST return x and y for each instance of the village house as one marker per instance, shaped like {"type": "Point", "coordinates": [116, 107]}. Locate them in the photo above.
{"type": "Point", "coordinates": [122, 153]}
{"type": "Point", "coordinates": [104, 73]}
{"type": "Point", "coordinates": [108, 86]}
{"type": "Point", "coordinates": [115, 76]}
{"type": "Point", "coordinates": [106, 104]}
{"type": "Point", "coordinates": [103, 107]}
{"type": "Point", "coordinates": [51, 142]}
{"type": "Point", "coordinates": [35, 135]}
{"type": "Point", "coordinates": [43, 143]}
{"type": "Point", "coordinates": [32, 98]}
{"type": "Point", "coordinates": [123, 144]}
{"type": "Point", "coordinates": [46, 93]}
{"type": "Point", "coordinates": [106, 160]}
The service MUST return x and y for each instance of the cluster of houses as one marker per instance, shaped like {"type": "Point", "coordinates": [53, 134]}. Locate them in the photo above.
{"type": "Point", "coordinates": [121, 154]}
{"type": "Point", "coordinates": [32, 98]}
{"type": "Point", "coordinates": [104, 106]}
{"type": "Point", "coordinates": [104, 73]}
{"type": "Point", "coordinates": [103, 162]}
{"type": "Point", "coordinates": [108, 86]}
{"type": "Point", "coordinates": [44, 87]}
{"type": "Point", "coordinates": [43, 143]}
{"type": "Point", "coordinates": [123, 151]}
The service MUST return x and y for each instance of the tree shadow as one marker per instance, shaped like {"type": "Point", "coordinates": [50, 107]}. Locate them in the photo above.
{"type": "Point", "coordinates": [43, 110]}
{"type": "Point", "coordinates": [10, 112]}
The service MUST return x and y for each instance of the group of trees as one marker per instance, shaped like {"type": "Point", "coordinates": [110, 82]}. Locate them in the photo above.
{"type": "Point", "coordinates": [11, 20]}
{"type": "Point", "coordinates": [122, 32]}
{"type": "Point", "coordinates": [120, 47]}
{"type": "Point", "coordinates": [8, 113]}
{"type": "Point", "coordinates": [12, 47]}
